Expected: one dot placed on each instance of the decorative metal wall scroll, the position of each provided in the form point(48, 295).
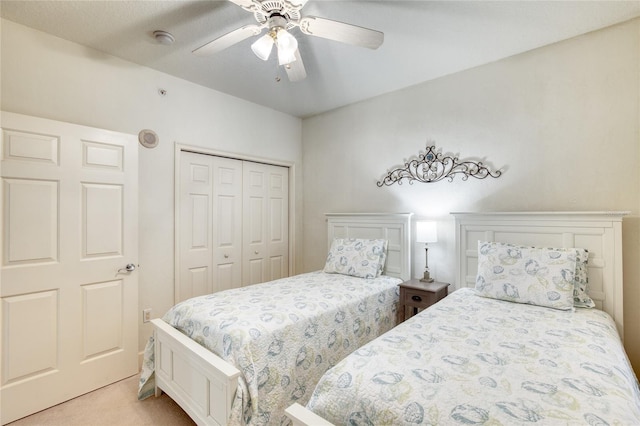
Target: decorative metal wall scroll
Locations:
point(432, 166)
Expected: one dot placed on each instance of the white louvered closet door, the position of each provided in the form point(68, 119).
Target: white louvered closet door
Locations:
point(233, 224)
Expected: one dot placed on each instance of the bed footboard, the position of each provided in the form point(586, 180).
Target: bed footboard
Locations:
point(301, 416)
point(202, 384)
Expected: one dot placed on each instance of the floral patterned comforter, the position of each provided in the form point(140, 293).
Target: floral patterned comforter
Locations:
point(283, 335)
point(474, 360)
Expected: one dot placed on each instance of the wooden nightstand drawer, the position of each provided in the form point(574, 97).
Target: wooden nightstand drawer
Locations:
point(416, 295)
point(420, 299)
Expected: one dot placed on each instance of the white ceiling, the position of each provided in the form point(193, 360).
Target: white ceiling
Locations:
point(423, 40)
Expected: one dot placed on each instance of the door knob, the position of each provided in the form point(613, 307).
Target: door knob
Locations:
point(129, 268)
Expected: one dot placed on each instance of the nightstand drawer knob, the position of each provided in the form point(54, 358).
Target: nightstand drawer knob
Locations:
point(416, 298)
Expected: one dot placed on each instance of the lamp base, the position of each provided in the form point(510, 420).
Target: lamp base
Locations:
point(427, 278)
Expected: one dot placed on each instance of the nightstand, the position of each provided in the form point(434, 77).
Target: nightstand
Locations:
point(416, 294)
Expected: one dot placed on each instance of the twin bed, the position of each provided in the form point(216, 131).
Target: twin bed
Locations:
point(273, 341)
point(480, 357)
point(475, 360)
point(469, 359)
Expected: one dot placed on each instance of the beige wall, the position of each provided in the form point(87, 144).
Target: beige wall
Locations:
point(562, 121)
point(49, 77)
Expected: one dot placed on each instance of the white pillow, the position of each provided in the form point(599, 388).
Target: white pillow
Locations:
point(356, 257)
point(532, 275)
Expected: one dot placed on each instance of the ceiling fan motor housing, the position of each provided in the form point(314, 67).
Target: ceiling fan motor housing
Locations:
point(277, 21)
point(270, 11)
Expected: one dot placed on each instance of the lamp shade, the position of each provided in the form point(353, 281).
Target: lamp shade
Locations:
point(426, 232)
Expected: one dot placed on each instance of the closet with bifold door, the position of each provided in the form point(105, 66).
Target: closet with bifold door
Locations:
point(232, 223)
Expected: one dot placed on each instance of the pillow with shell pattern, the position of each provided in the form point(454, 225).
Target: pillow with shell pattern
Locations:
point(581, 297)
point(533, 275)
point(357, 257)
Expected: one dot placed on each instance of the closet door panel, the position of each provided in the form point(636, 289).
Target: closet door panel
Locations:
point(254, 245)
point(227, 223)
point(195, 266)
point(278, 222)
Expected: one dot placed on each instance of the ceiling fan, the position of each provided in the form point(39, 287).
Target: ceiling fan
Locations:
point(279, 16)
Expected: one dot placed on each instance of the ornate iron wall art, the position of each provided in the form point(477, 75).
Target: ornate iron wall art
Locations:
point(432, 166)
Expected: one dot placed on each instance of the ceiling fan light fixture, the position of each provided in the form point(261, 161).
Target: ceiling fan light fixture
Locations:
point(287, 46)
point(285, 41)
point(278, 16)
point(285, 58)
point(262, 47)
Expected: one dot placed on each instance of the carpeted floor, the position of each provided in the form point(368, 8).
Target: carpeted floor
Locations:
point(113, 405)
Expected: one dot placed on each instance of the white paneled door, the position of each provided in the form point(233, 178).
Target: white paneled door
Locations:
point(68, 309)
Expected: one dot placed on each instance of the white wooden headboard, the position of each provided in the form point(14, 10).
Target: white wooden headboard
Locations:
point(394, 227)
point(598, 232)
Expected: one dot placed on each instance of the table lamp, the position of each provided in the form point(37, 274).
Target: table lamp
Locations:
point(426, 232)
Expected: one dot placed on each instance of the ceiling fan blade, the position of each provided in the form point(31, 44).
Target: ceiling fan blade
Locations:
point(298, 3)
point(228, 40)
point(339, 31)
point(295, 69)
point(245, 4)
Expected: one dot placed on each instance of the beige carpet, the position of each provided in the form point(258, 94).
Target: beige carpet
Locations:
point(113, 405)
